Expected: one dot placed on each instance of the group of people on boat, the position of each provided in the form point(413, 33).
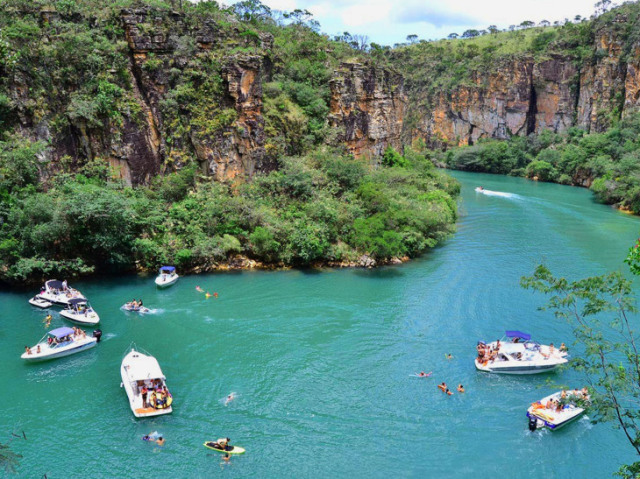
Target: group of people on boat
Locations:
point(135, 304)
point(565, 397)
point(27, 350)
point(487, 353)
point(65, 289)
point(154, 394)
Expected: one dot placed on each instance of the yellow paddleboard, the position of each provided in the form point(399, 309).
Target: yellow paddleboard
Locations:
point(231, 450)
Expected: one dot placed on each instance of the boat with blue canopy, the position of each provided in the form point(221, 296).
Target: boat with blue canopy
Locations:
point(517, 354)
point(167, 276)
point(61, 342)
point(80, 311)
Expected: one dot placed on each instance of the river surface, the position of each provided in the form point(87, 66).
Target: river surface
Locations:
point(321, 361)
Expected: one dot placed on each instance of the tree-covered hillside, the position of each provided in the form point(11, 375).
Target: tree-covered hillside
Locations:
point(217, 117)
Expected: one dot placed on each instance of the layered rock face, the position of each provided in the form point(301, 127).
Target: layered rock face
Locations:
point(524, 96)
point(368, 106)
point(233, 152)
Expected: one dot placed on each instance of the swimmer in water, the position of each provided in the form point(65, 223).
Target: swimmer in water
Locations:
point(207, 295)
point(443, 387)
point(199, 289)
point(424, 375)
point(449, 393)
point(448, 356)
point(460, 388)
point(229, 398)
point(215, 295)
point(226, 457)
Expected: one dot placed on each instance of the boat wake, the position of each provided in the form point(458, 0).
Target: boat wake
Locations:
point(108, 336)
point(500, 194)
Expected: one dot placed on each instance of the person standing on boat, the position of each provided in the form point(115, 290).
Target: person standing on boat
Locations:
point(64, 285)
point(144, 391)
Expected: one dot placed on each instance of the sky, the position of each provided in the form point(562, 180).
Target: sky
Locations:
point(390, 21)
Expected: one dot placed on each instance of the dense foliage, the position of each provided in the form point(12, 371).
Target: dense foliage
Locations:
point(315, 208)
point(608, 162)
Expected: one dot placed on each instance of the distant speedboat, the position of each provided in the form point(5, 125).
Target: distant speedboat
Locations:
point(39, 302)
point(60, 342)
point(57, 292)
point(167, 276)
point(140, 371)
point(80, 311)
point(518, 355)
point(135, 309)
point(554, 411)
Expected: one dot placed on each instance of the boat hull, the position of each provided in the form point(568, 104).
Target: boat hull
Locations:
point(135, 399)
point(39, 303)
point(517, 369)
point(160, 283)
point(36, 358)
point(88, 320)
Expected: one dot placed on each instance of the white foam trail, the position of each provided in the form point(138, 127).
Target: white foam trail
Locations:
point(498, 193)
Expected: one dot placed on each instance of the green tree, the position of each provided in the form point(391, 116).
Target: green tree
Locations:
point(600, 311)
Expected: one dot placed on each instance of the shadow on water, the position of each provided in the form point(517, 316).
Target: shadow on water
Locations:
point(384, 272)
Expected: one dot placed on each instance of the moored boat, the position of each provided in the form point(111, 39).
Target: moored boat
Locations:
point(39, 302)
point(557, 410)
point(61, 342)
point(167, 276)
point(57, 292)
point(80, 311)
point(145, 385)
point(517, 354)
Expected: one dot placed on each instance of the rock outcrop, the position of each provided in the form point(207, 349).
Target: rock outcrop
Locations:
point(368, 106)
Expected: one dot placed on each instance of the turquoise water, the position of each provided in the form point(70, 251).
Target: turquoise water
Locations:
point(321, 360)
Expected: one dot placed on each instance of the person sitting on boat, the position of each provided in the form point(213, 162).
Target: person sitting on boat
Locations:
point(140, 303)
point(38, 350)
point(27, 349)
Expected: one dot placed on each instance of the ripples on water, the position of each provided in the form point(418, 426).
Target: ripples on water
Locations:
point(322, 361)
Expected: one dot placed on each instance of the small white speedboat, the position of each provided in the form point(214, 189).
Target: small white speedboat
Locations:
point(135, 309)
point(39, 302)
point(60, 342)
point(145, 385)
point(80, 311)
point(518, 355)
point(556, 411)
point(57, 292)
point(167, 276)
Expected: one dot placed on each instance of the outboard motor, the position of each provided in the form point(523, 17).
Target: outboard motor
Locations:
point(97, 333)
point(533, 423)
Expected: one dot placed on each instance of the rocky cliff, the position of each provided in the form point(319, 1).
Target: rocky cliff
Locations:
point(367, 106)
point(523, 94)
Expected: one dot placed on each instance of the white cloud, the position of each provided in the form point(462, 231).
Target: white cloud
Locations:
point(390, 21)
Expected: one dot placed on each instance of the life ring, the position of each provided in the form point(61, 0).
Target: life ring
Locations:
point(155, 397)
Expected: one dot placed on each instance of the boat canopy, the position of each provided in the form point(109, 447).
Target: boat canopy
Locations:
point(54, 284)
point(144, 367)
point(167, 269)
point(518, 334)
point(75, 301)
point(61, 332)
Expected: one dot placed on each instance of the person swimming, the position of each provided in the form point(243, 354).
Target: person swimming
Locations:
point(229, 398)
point(460, 388)
point(199, 289)
point(443, 386)
point(424, 375)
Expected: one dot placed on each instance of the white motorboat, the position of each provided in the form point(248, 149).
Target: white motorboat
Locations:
point(518, 355)
point(135, 309)
point(57, 292)
point(80, 311)
point(60, 342)
point(39, 302)
point(145, 385)
point(557, 410)
point(167, 276)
